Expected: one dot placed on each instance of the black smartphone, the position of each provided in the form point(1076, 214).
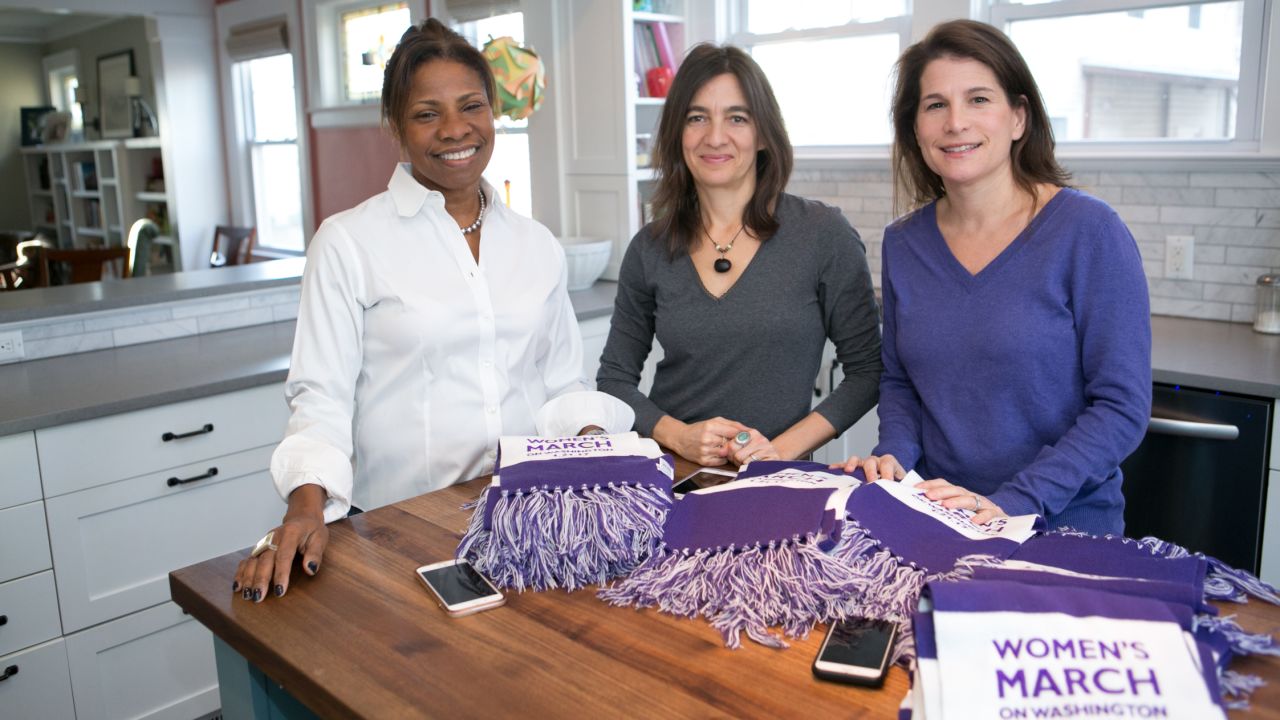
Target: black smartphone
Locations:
point(458, 588)
point(857, 651)
point(704, 478)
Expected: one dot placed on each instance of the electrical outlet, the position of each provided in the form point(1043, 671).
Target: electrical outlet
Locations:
point(1179, 256)
point(11, 346)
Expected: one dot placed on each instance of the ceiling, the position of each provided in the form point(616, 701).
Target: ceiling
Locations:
point(38, 26)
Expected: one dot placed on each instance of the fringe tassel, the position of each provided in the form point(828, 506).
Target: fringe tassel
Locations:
point(1222, 582)
point(1239, 687)
point(788, 584)
point(1240, 641)
point(568, 538)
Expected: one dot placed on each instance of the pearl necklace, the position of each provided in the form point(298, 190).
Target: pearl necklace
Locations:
point(722, 264)
point(479, 218)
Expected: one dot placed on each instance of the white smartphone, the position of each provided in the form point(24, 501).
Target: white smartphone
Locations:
point(703, 478)
point(458, 588)
point(857, 651)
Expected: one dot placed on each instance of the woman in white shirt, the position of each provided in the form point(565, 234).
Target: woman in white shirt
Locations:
point(418, 345)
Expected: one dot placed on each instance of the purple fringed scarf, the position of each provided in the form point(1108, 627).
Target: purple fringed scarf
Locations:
point(569, 512)
point(998, 648)
point(906, 540)
point(1150, 566)
point(749, 555)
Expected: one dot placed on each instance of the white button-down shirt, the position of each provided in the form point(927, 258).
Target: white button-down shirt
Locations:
point(411, 358)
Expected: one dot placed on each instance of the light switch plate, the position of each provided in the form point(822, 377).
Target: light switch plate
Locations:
point(11, 346)
point(1179, 254)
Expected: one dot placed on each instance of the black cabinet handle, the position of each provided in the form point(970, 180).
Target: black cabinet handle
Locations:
point(208, 428)
point(4, 619)
point(9, 672)
point(831, 375)
point(173, 481)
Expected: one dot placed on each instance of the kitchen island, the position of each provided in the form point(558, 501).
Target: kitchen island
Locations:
point(363, 638)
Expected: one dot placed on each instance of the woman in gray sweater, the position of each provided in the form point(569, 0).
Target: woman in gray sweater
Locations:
point(741, 283)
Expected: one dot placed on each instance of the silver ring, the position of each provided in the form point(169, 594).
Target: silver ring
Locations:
point(752, 458)
point(265, 544)
point(977, 503)
point(742, 438)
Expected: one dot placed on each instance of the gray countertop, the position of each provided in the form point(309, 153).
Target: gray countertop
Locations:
point(111, 294)
point(43, 393)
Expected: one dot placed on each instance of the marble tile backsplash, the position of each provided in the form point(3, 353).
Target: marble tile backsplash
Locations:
point(1234, 217)
point(70, 334)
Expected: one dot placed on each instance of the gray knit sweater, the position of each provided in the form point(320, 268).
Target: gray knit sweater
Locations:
point(751, 355)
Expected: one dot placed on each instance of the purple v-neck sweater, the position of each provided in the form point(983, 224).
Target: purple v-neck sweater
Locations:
point(1029, 382)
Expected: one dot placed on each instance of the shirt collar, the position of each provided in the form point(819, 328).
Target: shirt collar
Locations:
point(409, 195)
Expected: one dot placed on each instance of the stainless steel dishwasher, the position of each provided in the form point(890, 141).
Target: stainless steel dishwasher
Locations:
point(1199, 478)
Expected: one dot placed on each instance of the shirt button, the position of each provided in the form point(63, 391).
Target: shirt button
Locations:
point(491, 409)
point(491, 454)
point(486, 363)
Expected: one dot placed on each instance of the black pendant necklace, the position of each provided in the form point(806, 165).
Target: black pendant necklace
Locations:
point(722, 264)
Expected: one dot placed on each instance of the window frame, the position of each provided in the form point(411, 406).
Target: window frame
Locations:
point(1251, 85)
point(326, 106)
point(901, 25)
point(244, 112)
point(1258, 68)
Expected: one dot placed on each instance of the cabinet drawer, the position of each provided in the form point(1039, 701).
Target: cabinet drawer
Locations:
point(30, 608)
point(95, 452)
point(114, 545)
point(24, 541)
point(41, 687)
point(156, 664)
point(20, 479)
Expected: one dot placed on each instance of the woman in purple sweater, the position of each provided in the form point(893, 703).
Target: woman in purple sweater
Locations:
point(1017, 331)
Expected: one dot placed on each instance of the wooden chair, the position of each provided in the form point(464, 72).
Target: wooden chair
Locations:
point(142, 235)
point(28, 270)
point(86, 265)
point(232, 245)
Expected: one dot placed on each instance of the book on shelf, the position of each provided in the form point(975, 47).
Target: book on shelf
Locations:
point(88, 175)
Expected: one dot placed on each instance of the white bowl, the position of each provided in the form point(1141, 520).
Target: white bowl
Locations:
point(586, 258)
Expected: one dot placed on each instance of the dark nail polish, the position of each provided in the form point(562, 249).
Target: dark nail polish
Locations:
point(279, 590)
point(313, 567)
point(246, 593)
point(257, 594)
point(235, 585)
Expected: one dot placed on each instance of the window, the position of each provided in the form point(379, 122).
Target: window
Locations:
point(830, 64)
point(63, 77)
point(508, 169)
point(270, 127)
point(367, 37)
point(1151, 72)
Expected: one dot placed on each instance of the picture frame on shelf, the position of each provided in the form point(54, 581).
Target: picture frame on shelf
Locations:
point(114, 116)
point(33, 124)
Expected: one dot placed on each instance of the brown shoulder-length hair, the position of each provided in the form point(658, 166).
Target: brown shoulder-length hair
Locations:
point(915, 184)
point(675, 200)
point(422, 43)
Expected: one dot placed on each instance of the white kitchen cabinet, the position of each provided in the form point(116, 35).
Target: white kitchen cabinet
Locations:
point(114, 545)
point(24, 541)
point(156, 664)
point(99, 451)
point(112, 507)
point(21, 470)
point(39, 686)
point(595, 332)
point(857, 440)
point(29, 606)
point(1270, 563)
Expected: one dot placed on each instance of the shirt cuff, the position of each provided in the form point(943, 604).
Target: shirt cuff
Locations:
point(566, 415)
point(302, 461)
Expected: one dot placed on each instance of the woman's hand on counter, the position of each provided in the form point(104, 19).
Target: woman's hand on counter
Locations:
point(875, 467)
point(302, 532)
point(706, 443)
point(757, 448)
point(956, 497)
